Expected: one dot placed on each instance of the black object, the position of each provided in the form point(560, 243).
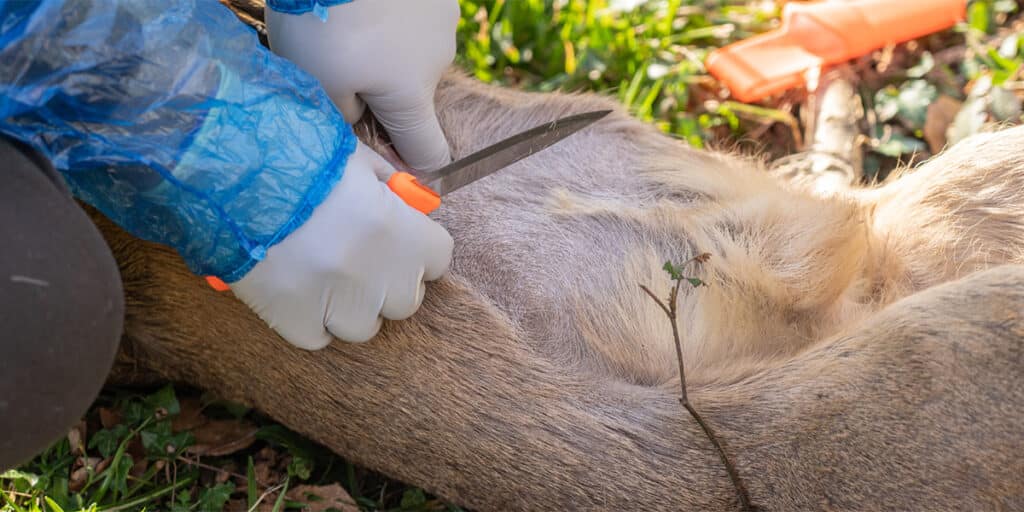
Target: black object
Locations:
point(61, 306)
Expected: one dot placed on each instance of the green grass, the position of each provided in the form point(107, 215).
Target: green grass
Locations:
point(140, 451)
point(650, 58)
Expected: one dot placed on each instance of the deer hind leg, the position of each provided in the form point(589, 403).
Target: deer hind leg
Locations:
point(958, 213)
point(918, 405)
point(460, 401)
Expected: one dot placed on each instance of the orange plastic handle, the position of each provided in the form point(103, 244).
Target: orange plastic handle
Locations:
point(414, 193)
point(405, 185)
point(217, 284)
point(824, 33)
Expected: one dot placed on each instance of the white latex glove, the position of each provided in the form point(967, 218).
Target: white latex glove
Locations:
point(362, 255)
point(388, 53)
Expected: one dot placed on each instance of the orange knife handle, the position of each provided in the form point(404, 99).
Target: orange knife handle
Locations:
point(414, 193)
point(216, 283)
point(403, 184)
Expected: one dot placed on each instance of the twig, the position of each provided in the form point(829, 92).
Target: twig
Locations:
point(266, 493)
point(671, 310)
point(832, 161)
point(209, 467)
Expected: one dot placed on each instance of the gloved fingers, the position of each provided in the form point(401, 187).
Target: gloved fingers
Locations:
point(350, 105)
point(437, 253)
point(306, 330)
point(308, 336)
point(295, 317)
point(426, 238)
point(353, 315)
point(411, 121)
point(380, 166)
point(404, 298)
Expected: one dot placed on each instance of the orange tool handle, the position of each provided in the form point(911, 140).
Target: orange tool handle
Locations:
point(821, 34)
point(405, 185)
point(414, 193)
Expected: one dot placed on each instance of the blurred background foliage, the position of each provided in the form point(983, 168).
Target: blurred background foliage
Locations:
point(650, 54)
point(647, 54)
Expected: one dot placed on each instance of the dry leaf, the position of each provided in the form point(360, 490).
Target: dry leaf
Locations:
point(76, 436)
point(78, 479)
point(265, 473)
point(139, 467)
point(940, 115)
point(222, 437)
point(221, 477)
point(324, 497)
point(191, 415)
point(81, 469)
point(109, 418)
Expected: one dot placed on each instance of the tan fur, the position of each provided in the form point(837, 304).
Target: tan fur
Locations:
point(838, 368)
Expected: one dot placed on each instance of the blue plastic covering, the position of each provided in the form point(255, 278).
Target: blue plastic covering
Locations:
point(318, 7)
point(170, 118)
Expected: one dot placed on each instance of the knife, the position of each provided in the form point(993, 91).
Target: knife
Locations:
point(467, 170)
point(423, 191)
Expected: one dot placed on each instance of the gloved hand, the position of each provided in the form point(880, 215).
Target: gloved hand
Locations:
point(363, 254)
point(388, 53)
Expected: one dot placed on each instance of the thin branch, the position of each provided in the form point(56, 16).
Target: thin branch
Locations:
point(671, 310)
point(267, 493)
point(656, 299)
point(210, 467)
point(679, 347)
point(741, 490)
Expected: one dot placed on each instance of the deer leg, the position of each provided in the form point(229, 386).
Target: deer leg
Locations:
point(918, 405)
point(958, 213)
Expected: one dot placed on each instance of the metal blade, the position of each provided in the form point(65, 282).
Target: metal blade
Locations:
point(497, 156)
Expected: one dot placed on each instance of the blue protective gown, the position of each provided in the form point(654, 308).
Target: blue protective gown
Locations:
point(170, 118)
point(318, 7)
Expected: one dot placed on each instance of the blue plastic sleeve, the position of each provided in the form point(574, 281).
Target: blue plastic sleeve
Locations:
point(170, 118)
point(319, 7)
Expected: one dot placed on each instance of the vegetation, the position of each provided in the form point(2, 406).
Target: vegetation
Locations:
point(649, 54)
point(174, 449)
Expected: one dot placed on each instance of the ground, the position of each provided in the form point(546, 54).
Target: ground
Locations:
point(177, 449)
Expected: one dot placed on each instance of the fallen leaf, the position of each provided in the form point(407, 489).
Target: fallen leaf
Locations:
point(109, 418)
point(1004, 105)
point(222, 437)
point(78, 479)
point(76, 438)
point(969, 120)
point(140, 467)
point(939, 117)
point(82, 468)
point(322, 498)
point(190, 417)
point(221, 477)
point(265, 473)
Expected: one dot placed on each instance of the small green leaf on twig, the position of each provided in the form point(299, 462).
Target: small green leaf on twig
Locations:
point(676, 273)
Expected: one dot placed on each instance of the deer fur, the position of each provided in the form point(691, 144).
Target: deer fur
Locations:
point(861, 351)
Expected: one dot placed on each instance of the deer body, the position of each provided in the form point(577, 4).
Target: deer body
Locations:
point(858, 351)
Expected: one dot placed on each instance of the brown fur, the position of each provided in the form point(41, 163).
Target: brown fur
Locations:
point(861, 351)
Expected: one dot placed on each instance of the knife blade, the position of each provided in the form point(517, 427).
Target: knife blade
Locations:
point(427, 198)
